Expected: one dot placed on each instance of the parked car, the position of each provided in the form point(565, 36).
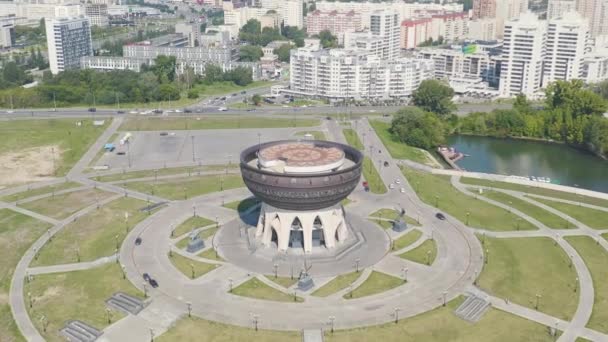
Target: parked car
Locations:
point(163, 134)
point(440, 216)
point(146, 277)
point(138, 241)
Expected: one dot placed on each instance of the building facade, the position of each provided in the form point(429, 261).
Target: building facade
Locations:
point(382, 38)
point(7, 32)
point(596, 11)
point(293, 13)
point(484, 9)
point(68, 39)
point(336, 22)
point(557, 8)
point(523, 56)
point(98, 14)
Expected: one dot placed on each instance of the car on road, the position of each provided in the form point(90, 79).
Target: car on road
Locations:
point(244, 92)
point(10, 111)
point(138, 241)
point(133, 112)
point(385, 164)
point(153, 283)
point(121, 153)
point(251, 110)
point(235, 94)
point(397, 181)
point(157, 111)
point(178, 111)
point(222, 109)
point(187, 110)
point(391, 186)
point(402, 190)
point(120, 112)
point(92, 109)
point(163, 134)
point(440, 216)
point(146, 277)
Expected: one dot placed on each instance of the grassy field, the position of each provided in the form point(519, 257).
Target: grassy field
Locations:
point(196, 330)
point(593, 218)
point(283, 281)
point(40, 191)
point(521, 268)
point(352, 138)
point(215, 122)
point(398, 150)
point(391, 214)
point(93, 235)
point(337, 284)
point(76, 295)
point(424, 254)
point(536, 191)
point(596, 259)
point(210, 254)
point(187, 187)
point(224, 88)
point(317, 135)
point(72, 140)
point(438, 191)
point(548, 219)
point(186, 266)
point(407, 239)
point(441, 325)
point(376, 185)
point(377, 282)
point(242, 205)
point(192, 170)
point(190, 224)
point(64, 205)
point(17, 233)
point(254, 288)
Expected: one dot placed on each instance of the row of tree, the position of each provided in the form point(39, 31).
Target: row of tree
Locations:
point(572, 114)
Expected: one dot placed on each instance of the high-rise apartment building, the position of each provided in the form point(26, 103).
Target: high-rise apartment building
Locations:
point(484, 9)
point(567, 42)
point(382, 37)
point(556, 8)
point(7, 31)
point(523, 55)
point(293, 13)
point(98, 14)
point(507, 10)
point(68, 39)
point(596, 11)
point(336, 22)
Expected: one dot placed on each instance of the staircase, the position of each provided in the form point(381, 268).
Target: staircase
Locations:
point(472, 308)
point(125, 303)
point(77, 331)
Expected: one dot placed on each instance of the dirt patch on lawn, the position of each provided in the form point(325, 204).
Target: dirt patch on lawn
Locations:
point(30, 165)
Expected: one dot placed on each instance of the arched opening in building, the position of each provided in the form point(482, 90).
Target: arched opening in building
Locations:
point(318, 237)
point(296, 235)
point(275, 238)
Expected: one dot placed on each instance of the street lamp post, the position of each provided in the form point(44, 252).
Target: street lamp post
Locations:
point(332, 320)
point(193, 153)
point(276, 269)
point(189, 309)
point(445, 294)
point(230, 285)
point(538, 296)
point(357, 264)
point(397, 315)
point(404, 271)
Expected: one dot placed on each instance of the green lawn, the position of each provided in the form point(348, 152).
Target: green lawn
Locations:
point(76, 295)
point(192, 170)
point(17, 233)
point(441, 325)
point(242, 205)
point(190, 224)
point(64, 205)
point(377, 282)
point(392, 214)
point(187, 187)
point(398, 150)
point(536, 191)
point(352, 138)
point(224, 88)
point(520, 268)
point(93, 235)
point(210, 254)
point(317, 135)
point(214, 122)
point(376, 185)
point(196, 330)
point(337, 284)
point(596, 259)
point(186, 265)
point(548, 219)
point(407, 239)
point(254, 288)
point(424, 254)
point(283, 281)
point(438, 191)
point(71, 141)
point(40, 191)
point(593, 218)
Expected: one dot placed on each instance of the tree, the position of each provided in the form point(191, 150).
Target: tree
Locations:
point(417, 128)
point(434, 96)
point(571, 96)
point(192, 94)
point(168, 92)
point(522, 104)
point(327, 39)
point(164, 68)
point(256, 99)
point(252, 26)
point(250, 53)
point(284, 52)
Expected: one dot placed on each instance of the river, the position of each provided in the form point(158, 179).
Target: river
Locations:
point(563, 164)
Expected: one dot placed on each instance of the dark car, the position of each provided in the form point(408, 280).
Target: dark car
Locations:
point(153, 283)
point(138, 241)
point(244, 92)
point(440, 216)
point(385, 164)
point(146, 277)
point(92, 109)
point(187, 110)
point(120, 112)
point(163, 134)
point(157, 111)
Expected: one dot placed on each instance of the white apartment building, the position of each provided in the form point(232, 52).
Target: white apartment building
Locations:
point(567, 43)
point(34, 10)
point(507, 10)
point(341, 74)
point(556, 8)
point(7, 32)
point(293, 13)
point(595, 67)
point(68, 40)
point(523, 56)
point(98, 14)
point(238, 17)
point(190, 30)
point(382, 38)
point(596, 11)
point(482, 29)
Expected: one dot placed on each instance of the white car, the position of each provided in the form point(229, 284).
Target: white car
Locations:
point(222, 109)
point(178, 111)
point(391, 186)
point(10, 111)
point(397, 181)
point(133, 112)
point(402, 190)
